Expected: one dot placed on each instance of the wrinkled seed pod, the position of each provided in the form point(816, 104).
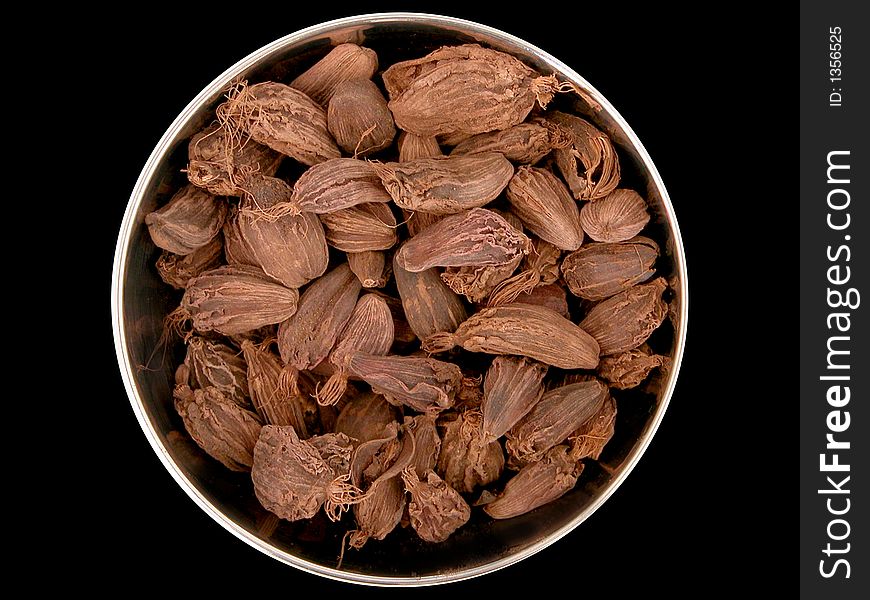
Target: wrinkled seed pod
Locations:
point(466, 460)
point(361, 228)
point(559, 412)
point(219, 166)
point(291, 478)
point(371, 268)
point(539, 267)
point(526, 143)
point(177, 270)
point(626, 320)
point(427, 442)
point(431, 96)
point(591, 437)
point(190, 220)
point(306, 338)
point(446, 185)
point(423, 384)
point(418, 221)
point(629, 369)
point(337, 184)
point(214, 364)
point(429, 305)
point(369, 330)
point(477, 283)
point(236, 299)
point(546, 207)
point(436, 510)
point(343, 63)
point(290, 249)
point(590, 164)
point(617, 217)
point(364, 418)
point(536, 484)
point(275, 405)
point(226, 431)
point(598, 271)
point(551, 296)
point(511, 388)
point(524, 330)
point(358, 118)
point(280, 117)
point(477, 237)
point(412, 147)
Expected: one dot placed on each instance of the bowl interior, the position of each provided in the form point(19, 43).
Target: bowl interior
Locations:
point(143, 299)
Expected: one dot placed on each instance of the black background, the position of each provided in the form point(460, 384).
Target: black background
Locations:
point(703, 508)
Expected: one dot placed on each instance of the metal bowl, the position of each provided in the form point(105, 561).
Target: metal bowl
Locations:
point(140, 300)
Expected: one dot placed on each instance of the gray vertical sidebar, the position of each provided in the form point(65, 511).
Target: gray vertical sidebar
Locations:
point(834, 336)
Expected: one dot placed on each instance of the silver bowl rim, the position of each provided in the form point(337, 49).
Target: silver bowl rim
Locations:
point(127, 369)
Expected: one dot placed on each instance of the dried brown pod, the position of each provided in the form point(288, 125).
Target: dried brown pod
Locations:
point(590, 164)
point(617, 217)
point(436, 509)
point(358, 118)
point(402, 331)
point(361, 228)
point(429, 305)
point(466, 460)
point(423, 384)
point(545, 207)
point(376, 467)
point(307, 337)
point(369, 330)
point(598, 271)
point(190, 220)
point(274, 404)
point(591, 437)
point(364, 418)
point(446, 185)
point(336, 450)
point(511, 388)
point(279, 117)
point(551, 296)
point(630, 368)
point(427, 442)
point(477, 237)
point(371, 268)
point(559, 412)
point(214, 364)
point(220, 166)
point(291, 249)
point(477, 283)
point(536, 484)
point(226, 431)
point(412, 147)
point(418, 221)
point(236, 299)
point(343, 63)
point(292, 479)
point(522, 330)
point(526, 143)
point(540, 267)
point(337, 184)
point(626, 320)
point(467, 89)
point(177, 270)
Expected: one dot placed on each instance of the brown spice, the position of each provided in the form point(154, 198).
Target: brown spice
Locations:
point(545, 206)
point(598, 271)
point(477, 237)
point(467, 461)
point(189, 221)
point(629, 369)
point(177, 270)
point(361, 228)
point(526, 143)
point(371, 268)
point(364, 418)
point(524, 330)
point(617, 217)
point(590, 165)
point(446, 185)
point(429, 305)
point(274, 404)
point(214, 364)
point(511, 388)
point(345, 62)
point(236, 299)
point(626, 320)
point(436, 509)
point(358, 118)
